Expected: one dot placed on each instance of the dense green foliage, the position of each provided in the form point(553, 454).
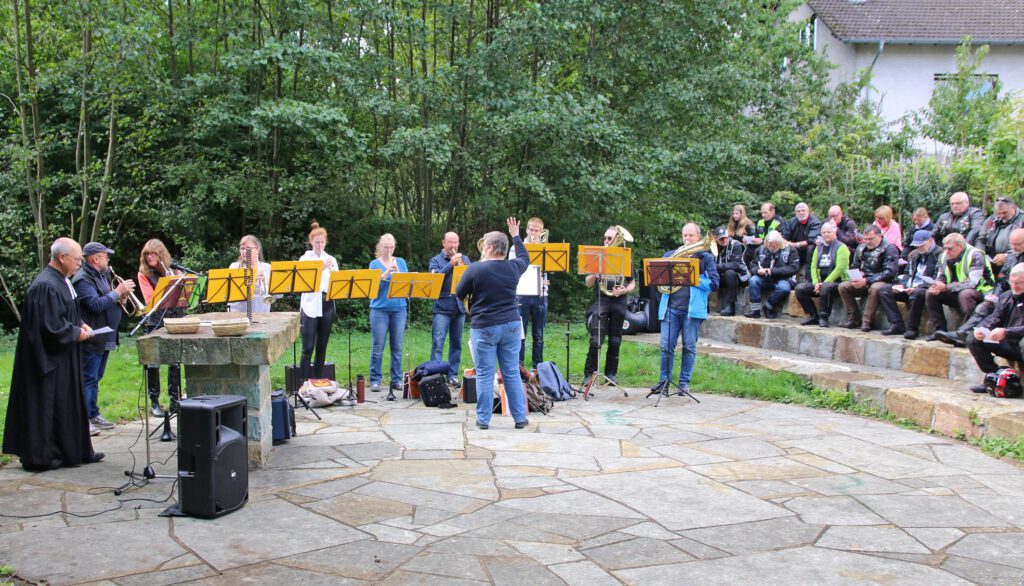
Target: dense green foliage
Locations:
point(198, 121)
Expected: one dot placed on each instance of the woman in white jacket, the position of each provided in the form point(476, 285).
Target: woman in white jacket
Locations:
point(317, 313)
point(251, 251)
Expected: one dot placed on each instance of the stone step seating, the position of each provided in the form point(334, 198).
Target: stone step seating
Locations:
point(937, 403)
point(879, 323)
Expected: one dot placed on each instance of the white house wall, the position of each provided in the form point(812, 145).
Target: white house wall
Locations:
point(904, 75)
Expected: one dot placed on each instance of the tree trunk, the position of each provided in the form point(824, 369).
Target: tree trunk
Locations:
point(36, 199)
point(83, 147)
point(108, 168)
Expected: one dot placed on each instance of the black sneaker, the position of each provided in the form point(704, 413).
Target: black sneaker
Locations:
point(850, 324)
point(522, 424)
point(910, 334)
point(481, 425)
point(979, 389)
point(894, 331)
point(822, 322)
point(753, 313)
point(809, 321)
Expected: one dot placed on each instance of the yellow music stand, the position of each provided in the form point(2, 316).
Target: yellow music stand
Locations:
point(170, 292)
point(295, 276)
point(550, 257)
point(353, 284)
point(457, 273)
point(410, 286)
point(225, 285)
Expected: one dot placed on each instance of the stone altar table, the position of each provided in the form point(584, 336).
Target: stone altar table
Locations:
point(229, 365)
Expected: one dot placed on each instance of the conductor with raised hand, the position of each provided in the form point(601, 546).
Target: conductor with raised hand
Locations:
point(496, 326)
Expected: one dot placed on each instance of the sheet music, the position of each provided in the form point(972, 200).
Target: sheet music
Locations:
point(529, 282)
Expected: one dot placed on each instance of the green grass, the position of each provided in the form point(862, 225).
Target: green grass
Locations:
point(1001, 447)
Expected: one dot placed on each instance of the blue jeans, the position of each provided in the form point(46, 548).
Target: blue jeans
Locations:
point(382, 323)
point(776, 289)
point(445, 325)
point(93, 366)
point(499, 343)
point(677, 322)
point(533, 309)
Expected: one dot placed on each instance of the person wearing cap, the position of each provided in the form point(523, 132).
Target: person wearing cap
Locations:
point(828, 265)
point(962, 334)
point(99, 306)
point(911, 286)
point(732, 270)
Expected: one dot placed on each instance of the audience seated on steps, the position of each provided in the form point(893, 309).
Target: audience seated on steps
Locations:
point(911, 286)
point(919, 220)
point(878, 263)
point(732, 270)
point(773, 273)
point(960, 219)
point(741, 229)
point(827, 266)
point(1016, 255)
point(890, 227)
point(994, 239)
point(1006, 329)
point(802, 231)
point(963, 277)
point(846, 228)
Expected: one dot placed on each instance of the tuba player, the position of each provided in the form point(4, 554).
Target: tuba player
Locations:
point(606, 315)
point(682, 313)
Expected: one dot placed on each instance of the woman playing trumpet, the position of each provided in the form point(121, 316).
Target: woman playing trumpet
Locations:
point(387, 316)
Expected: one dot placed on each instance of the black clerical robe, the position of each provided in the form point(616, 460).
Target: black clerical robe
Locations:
point(46, 416)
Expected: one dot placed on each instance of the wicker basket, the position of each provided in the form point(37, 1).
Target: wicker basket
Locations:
point(182, 325)
point(230, 327)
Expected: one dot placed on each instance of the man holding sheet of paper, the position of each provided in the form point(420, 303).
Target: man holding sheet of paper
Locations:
point(911, 286)
point(1001, 332)
point(962, 279)
point(874, 265)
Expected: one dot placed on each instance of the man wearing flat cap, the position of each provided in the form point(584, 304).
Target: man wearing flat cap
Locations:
point(911, 286)
point(99, 305)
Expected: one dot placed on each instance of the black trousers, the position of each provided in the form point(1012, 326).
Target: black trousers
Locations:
point(610, 318)
point(728, 287)
point(828, 292)
point(316, 332)
point(914, 298)
point(983, 353)
point(152, 371)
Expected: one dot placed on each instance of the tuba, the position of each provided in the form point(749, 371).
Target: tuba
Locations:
point(608, 284)
point(706, 244)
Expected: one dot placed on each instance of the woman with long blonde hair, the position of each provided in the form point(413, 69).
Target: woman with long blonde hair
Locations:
point(155, 262)
point(739, 224)
point(387, 316)
point(250, 252)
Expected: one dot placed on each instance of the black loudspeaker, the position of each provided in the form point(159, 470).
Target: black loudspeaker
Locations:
point(292, 374)
point(213, 455)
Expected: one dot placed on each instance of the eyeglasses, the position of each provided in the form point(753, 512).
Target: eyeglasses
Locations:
point(609, 238)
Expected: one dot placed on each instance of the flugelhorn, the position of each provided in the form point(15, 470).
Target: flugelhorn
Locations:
point(706, 244)
point(131, 304)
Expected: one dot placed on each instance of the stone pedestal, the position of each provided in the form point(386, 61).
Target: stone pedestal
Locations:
point(230, 365)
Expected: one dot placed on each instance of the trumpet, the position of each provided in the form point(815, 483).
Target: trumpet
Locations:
point(130, 304)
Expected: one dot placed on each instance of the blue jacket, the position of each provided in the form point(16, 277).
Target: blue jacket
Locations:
point(446, 302)
point(99, 307)
point(697, 307)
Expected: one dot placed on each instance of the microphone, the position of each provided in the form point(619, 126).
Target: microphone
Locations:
point(179, 267)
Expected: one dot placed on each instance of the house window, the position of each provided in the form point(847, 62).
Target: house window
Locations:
point(986, 82)
point(809, 33)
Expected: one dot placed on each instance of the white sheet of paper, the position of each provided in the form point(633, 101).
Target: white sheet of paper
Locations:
point(927, 280)
point(987, 333)
point(103, 330)
point(855, 274)
point(748, 240)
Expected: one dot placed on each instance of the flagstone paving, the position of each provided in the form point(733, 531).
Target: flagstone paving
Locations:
point(608, 491)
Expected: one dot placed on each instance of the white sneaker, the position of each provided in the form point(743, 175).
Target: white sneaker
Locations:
point(375, 388)
point(93, 430)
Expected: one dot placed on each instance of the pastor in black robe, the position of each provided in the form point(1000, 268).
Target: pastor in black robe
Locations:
point(46, 416)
